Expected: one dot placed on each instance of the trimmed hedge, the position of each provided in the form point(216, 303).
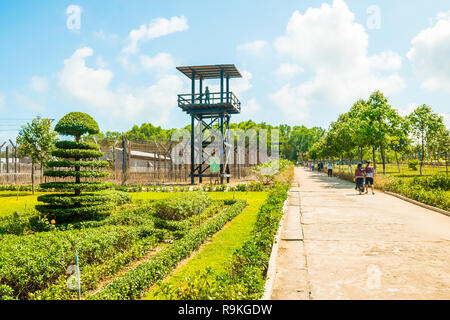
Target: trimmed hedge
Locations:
point(76, 145)
point(181, 206)
point(132, 284)
point(73, 173)
point(77, 153)
point(30, 263)
point(433, 190)
point(81, 164)
point(86, 186)
point(247, 270)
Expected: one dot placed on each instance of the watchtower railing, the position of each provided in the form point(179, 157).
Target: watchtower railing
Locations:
point(215, 98)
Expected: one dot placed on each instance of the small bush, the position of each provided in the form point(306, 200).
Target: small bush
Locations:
point(181, 206)
point(412, 164)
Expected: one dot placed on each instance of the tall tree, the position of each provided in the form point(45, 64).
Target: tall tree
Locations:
point(379, 120)
point(425, 124)
point(36, 140)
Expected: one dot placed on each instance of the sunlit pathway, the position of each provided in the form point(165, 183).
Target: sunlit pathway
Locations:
point(337, 244)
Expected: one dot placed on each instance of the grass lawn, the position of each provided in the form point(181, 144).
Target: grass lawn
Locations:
point(216, 254)
point(9, 202)
point(405, 171)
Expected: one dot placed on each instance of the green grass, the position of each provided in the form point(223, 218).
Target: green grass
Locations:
point(216, 254)
point(10, 203)
point(392, 170)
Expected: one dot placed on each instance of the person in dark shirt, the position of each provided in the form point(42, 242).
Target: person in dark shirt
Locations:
point(359, 178)
point(369, 173)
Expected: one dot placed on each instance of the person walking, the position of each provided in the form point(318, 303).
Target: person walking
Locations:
point(330, 169)
point(359, 178)
point(369, 176)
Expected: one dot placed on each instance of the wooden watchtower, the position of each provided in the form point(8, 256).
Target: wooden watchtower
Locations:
point(210, 110)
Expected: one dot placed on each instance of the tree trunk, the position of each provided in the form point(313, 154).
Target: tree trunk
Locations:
point(398, 164)
point(361, 154)
point(383, 158)
point(32, 176)
point(373, 159)
point(446, 165)
point(422, 156)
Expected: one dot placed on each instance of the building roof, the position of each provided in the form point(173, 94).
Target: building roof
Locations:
point(211, 71)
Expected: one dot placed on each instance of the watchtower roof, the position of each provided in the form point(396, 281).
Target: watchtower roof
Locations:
point(211, 71)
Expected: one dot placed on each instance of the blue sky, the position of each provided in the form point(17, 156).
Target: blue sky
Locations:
point(303, 62)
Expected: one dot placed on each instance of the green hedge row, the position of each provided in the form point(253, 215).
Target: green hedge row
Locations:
point(76, 145)
point(30, 263)
point(132, 284)
point(77, 153)
point(85, 186)
point(181, 206)
point(73, 173)
point(93, 274)
point(72, 200)
point(420, 190)
point(180, 227)
point(81, 164)
point(248, 265)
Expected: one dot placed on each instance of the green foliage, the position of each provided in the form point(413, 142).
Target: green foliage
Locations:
point(181, 206)
point(77, 207)
point(432, 190)
point(412, 164)
point(77, 124)
point(256, 186)
point(68, 186)
point(77, 153)
point(76, 145)
point(73, 173)
point(132, 284)
point(81, 164)
point(266, 172)
point(248, 266)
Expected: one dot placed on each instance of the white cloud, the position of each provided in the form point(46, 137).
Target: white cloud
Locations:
point(160, 62)
point(288, 70)
point(335, 47)
point(408, 110)
point(156, 28)
point(446, 117)
point(430, 54)
point(250, 108)
point(253, 47)
point(101, 63)
point(39, 84)
point(84, 83)
point(291, 102)
point(92, 87)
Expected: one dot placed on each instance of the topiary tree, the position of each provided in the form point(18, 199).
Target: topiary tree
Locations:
point(79, 160)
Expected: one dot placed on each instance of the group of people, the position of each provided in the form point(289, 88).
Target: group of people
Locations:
point(320, 167)
point(364, 177)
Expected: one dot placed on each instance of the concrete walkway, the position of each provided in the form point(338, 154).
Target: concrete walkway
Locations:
point(336, 244)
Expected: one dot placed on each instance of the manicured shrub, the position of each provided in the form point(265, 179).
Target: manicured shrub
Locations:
point(248, 266)
point(76, 155)
point(132, 284)
point(181, 206)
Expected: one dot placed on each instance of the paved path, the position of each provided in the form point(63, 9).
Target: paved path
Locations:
point(336, 244)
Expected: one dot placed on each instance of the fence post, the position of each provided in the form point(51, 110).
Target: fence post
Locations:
point(7, 159)
point(1, 147)
point(124, 161)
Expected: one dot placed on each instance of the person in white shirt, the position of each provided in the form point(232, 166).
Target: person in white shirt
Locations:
point(330, 169)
